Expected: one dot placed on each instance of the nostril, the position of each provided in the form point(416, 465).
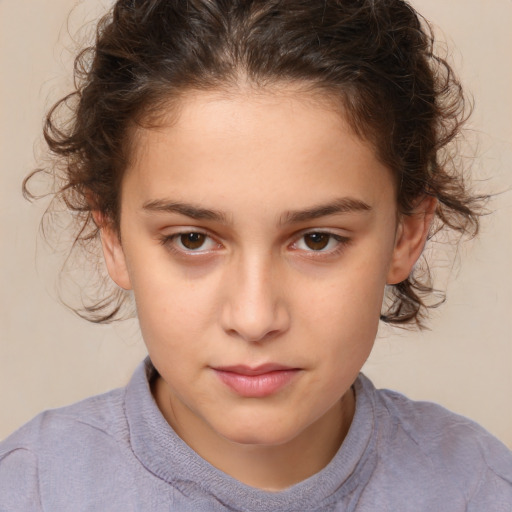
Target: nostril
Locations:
point(255, 328)
point(253, 338)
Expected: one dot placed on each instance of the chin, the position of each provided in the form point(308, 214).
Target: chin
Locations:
point(258, 433)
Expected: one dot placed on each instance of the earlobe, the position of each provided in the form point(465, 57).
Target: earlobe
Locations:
point(113, 252)
point(410, 240)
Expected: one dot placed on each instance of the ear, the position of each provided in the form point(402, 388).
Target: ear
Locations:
point(411, 236)
point(112, 251)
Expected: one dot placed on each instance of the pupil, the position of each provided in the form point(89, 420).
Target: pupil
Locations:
point(192, 240)
point(317, 241)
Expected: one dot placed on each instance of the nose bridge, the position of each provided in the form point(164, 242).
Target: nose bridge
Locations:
point(255, 308)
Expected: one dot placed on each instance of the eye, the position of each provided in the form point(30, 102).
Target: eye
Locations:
point(319, 241)
point(192, 241)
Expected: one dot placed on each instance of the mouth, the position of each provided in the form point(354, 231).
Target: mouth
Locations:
point(256, 382)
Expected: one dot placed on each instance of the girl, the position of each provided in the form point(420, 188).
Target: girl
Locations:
point(263, 176)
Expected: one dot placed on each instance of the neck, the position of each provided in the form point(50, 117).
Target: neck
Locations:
point(268, 467)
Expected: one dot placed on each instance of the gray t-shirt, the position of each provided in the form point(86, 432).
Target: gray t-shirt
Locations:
point(116, 453)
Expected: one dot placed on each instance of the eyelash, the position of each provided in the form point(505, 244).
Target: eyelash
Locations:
point(341, 242)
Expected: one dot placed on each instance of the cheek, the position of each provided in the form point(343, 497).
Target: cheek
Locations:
point(173, 311)
point(350, 295)
point(173, 326)
point(343, 317)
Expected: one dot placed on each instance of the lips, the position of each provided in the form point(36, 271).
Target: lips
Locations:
point(256, 382)
point(257, 370)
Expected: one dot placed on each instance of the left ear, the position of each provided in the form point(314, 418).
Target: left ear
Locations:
point(411, 236)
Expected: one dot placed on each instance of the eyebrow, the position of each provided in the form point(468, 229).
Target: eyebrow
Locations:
point(338, 206)
point(187, 209)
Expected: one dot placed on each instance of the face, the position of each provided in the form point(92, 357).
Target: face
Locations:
point(258, 233)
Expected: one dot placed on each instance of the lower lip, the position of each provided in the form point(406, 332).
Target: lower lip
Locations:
point(257, 386)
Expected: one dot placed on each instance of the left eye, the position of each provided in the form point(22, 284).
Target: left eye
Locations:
point(318, 242)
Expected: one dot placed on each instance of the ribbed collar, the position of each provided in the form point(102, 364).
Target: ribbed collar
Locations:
point(163, 453)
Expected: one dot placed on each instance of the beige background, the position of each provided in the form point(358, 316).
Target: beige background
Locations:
point(49, 358)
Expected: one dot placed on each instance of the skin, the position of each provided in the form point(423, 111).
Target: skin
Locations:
point(258, 290)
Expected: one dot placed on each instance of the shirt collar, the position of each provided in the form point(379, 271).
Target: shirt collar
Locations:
point(162, 452)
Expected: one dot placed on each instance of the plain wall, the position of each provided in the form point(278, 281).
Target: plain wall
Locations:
point(49, 357)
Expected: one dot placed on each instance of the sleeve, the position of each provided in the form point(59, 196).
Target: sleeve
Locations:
point(493, 493)
point(19, 481)
point(494, 489)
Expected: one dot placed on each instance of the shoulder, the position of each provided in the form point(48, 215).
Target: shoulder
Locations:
point(443, 447)
point(50, 443)
point(101, 414)
point(438, 431)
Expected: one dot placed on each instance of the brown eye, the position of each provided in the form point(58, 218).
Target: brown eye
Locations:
point(317, 241)
point(192, 241)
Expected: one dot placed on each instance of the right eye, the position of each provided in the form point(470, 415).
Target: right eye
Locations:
point(190, 241)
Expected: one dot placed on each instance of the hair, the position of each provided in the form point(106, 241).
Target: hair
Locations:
point(375, 57)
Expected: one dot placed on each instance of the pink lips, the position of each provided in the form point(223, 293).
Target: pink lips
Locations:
point(256, 382)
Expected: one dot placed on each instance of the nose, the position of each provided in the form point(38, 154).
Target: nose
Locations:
point(255, 308)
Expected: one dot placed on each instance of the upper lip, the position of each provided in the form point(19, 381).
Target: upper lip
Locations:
point(254, 370)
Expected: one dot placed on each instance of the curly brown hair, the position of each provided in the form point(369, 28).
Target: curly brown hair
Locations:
point(375, 57)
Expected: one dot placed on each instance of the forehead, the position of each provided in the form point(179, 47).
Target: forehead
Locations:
point(220, 145)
